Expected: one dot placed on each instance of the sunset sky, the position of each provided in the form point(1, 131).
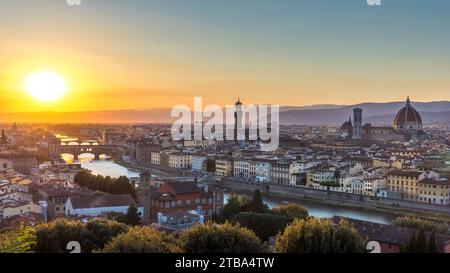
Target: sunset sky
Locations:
point(131, 54)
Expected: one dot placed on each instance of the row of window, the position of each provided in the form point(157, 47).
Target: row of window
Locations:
point(178, 203)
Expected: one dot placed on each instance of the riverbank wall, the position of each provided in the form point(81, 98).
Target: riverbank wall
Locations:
point(338, 198)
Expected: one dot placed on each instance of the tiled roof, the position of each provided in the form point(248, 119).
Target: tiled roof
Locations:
point(97, 201)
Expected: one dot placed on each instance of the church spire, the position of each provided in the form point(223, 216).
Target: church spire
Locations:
point(408, 102)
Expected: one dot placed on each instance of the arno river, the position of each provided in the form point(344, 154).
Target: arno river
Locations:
point(109, 167)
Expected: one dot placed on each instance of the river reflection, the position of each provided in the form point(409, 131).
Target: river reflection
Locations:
point(110, 168)
point(328, 211)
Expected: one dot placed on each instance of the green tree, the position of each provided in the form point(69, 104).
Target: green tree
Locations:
point(54, 236)
point(432, 247)
point(234, 206)
point(319, 236)
point(417, 223)
point(21, 240)
point(292, 211)
point(421, 243)
point(120, 185)
point(264, 225)
point(256, 204)
point(215, 238)
point(142, 240)
point(132, 217)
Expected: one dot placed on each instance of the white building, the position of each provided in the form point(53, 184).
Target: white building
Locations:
point(263, 172)
point(180, 161)
point(155, 158)
point(242, 169)
point(198, 162)
point(224, 167)
point(373, 185)
point(98, 205)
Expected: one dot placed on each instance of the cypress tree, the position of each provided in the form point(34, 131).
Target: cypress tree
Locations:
point(421, 243)
point(432, 248)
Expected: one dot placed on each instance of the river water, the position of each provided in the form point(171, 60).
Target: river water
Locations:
point(110, 168)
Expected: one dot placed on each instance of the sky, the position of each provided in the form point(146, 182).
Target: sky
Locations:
point(141, 54)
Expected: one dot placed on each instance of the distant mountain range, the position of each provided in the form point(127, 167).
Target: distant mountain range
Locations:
point(329, 114)
point(375, 113)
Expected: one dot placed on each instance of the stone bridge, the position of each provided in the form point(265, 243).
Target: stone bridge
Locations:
point(96, 150)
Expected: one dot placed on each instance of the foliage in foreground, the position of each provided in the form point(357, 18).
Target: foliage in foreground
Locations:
point(420, 244)
point(54, 236)
point(264, 225)
point(21, 240)
point(319, 236)
point(215, 238)
point(142, 240)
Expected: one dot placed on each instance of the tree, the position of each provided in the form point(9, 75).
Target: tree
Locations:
point(421, 242)
point(215, 238)
point(264, 225)
point(142, 240)
point(21, 240)
point(432, 247)
point(417, 223)
point(120, 185)
point(234, 206)
point(292, 211)
point(132, 217)
point(319, 236)
point(54, 236)
point(256, 204)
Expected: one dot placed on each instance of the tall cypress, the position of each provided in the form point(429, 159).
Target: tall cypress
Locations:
point(432, 247)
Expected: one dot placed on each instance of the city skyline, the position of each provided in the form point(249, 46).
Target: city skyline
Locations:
point(162, 54)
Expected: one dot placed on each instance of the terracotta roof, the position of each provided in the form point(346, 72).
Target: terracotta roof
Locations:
point(432, 181)
point(389, 233)
point(407, 114)
point(405, 173)
point(184, 187)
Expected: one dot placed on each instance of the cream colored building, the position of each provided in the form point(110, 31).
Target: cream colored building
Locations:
point(155, 158)
point(402, 184)
point(180, 161)
point(434, 191)
point(224, 167)
point(20, 209)
point(373, 185)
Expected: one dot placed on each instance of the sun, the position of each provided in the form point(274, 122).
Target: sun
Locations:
point(45, 86)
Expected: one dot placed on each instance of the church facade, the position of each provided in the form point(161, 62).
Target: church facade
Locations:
point(407, 125)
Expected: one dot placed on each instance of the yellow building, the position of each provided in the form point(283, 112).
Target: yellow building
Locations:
point(402, 184)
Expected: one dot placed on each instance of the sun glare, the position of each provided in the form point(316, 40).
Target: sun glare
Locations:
point(45, 86)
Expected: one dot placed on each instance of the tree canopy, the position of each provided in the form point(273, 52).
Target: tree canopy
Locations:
point(120, 185)
point(319, 236)
point(142, 240)
point(54, 236)
point(215, 238)
point(21, 240)
point(264, 225)
point(291, 211)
